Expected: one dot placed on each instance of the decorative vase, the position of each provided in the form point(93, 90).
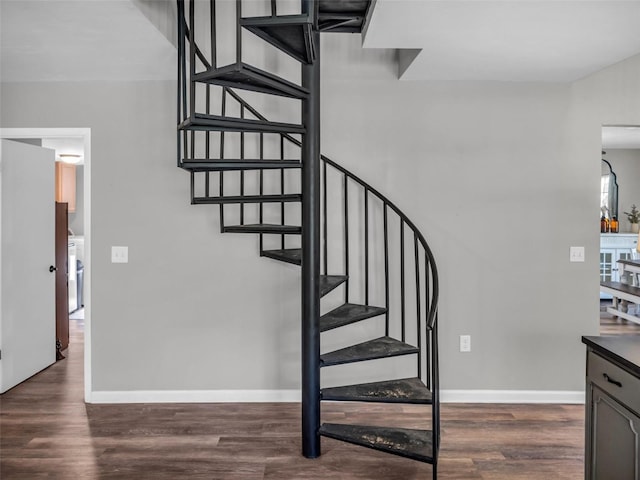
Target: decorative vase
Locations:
point(635, 227)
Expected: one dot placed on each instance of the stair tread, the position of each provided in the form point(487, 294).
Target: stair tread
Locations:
point(383, 347)
point(205, 122)
point(409, 443)
point(289, 33)
point(247, 77)
point(347, 314)
point(236, 164)
point(288, 255)
point(263, 228)
point(290, 197)
point(329, 282)
point(405, 390)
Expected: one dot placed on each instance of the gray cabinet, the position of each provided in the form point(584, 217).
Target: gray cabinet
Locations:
point(612, 421)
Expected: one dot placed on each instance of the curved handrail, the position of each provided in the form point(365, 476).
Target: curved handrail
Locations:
point(433, 309)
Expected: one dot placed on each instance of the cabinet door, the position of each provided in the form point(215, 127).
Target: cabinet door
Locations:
point(614, 451)
point(607, 264)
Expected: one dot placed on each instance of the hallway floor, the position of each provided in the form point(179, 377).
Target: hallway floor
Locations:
point(47, 431)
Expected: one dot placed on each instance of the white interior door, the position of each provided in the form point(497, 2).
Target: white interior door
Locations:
point(27, 287)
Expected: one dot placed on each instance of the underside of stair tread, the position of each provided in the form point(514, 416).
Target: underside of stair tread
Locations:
point(383, 347)
point(204, 122)
point(247, 77)
point(291, 197)
point(263, 228)
point(329, 282)
point(236, 164)
point(406, 390)
point(347, 314)
point(288, 255)
point(342, 15)
point(289, 33)
point(409, 443)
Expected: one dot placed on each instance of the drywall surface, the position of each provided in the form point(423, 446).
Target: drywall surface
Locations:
point(502, 178)
point(483, 171)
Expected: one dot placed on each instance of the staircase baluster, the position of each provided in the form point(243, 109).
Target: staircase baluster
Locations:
point(429, 331)
point(238, 32)
point(242, 171)
point(261, 207)
point(221, 175)
point(366, 246)
point(273, 8)
point(402, 299)
point(419, 320)
point(214, 53)
point(192, 71)
point(282, 219)
point(207, 142)
point(324, 216)
point(346, 237)
point(386, 268)
point(192, 185)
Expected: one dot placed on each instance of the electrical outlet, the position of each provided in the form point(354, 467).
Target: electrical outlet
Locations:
point(465, 343)
point(576, 254)
point(119, 254)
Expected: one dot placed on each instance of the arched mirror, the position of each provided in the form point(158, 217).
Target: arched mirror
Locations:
point(608, 189)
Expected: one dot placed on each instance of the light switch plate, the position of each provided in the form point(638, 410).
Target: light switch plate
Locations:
point(119, 254)
point(576, 254)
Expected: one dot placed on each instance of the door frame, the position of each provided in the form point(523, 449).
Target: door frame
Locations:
point(85, 133)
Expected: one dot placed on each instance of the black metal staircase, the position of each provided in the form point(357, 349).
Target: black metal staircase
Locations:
point(269, 178)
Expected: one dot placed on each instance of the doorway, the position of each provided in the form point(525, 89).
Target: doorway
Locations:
point(619, 193)
point(50, 136)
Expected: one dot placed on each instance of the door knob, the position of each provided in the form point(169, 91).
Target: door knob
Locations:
point(52, 268)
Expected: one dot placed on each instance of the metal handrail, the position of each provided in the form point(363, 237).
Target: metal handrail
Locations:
point(431, 317)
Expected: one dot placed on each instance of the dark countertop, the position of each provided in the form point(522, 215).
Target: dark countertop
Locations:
point(622, 349)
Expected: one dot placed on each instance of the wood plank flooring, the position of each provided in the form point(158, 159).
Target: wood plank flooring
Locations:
point(46, 431)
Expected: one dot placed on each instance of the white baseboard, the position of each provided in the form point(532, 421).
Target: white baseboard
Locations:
point(512, 396)
point(195, 396)
point(263, 396)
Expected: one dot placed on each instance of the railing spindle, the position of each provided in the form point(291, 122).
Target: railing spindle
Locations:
point(366, 246)
point(274, 12)
point(212, 13)
point(419, 330)
point(346, 237)
point(386, 268)
point(261, 207)
point(402, 299)
point(207, 142)
point(242, 171)
point(238, 32)
point(282, 219)
point(192, 71)
point(324, 219)
point(221, 175)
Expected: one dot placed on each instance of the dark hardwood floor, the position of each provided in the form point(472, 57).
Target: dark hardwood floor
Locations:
point(46, 431)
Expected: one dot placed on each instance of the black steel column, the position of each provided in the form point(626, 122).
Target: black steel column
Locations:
point(311, 250)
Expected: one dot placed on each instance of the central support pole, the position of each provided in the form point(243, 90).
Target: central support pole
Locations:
point(311, 249)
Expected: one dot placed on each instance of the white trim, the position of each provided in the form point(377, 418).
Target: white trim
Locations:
point(85, 133)
point(195, 396)
point(258, 396)
point(512, 396)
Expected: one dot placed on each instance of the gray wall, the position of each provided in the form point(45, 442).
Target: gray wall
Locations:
point(76, 219)
point(626, 165)
point(501, 177)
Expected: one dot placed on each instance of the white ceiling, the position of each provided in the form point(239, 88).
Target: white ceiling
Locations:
point(509, 40)
point(81, 40)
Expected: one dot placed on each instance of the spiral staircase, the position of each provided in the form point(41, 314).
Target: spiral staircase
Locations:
point(268, 177)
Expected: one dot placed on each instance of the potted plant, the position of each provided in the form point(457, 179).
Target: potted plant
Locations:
point(634, 218)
